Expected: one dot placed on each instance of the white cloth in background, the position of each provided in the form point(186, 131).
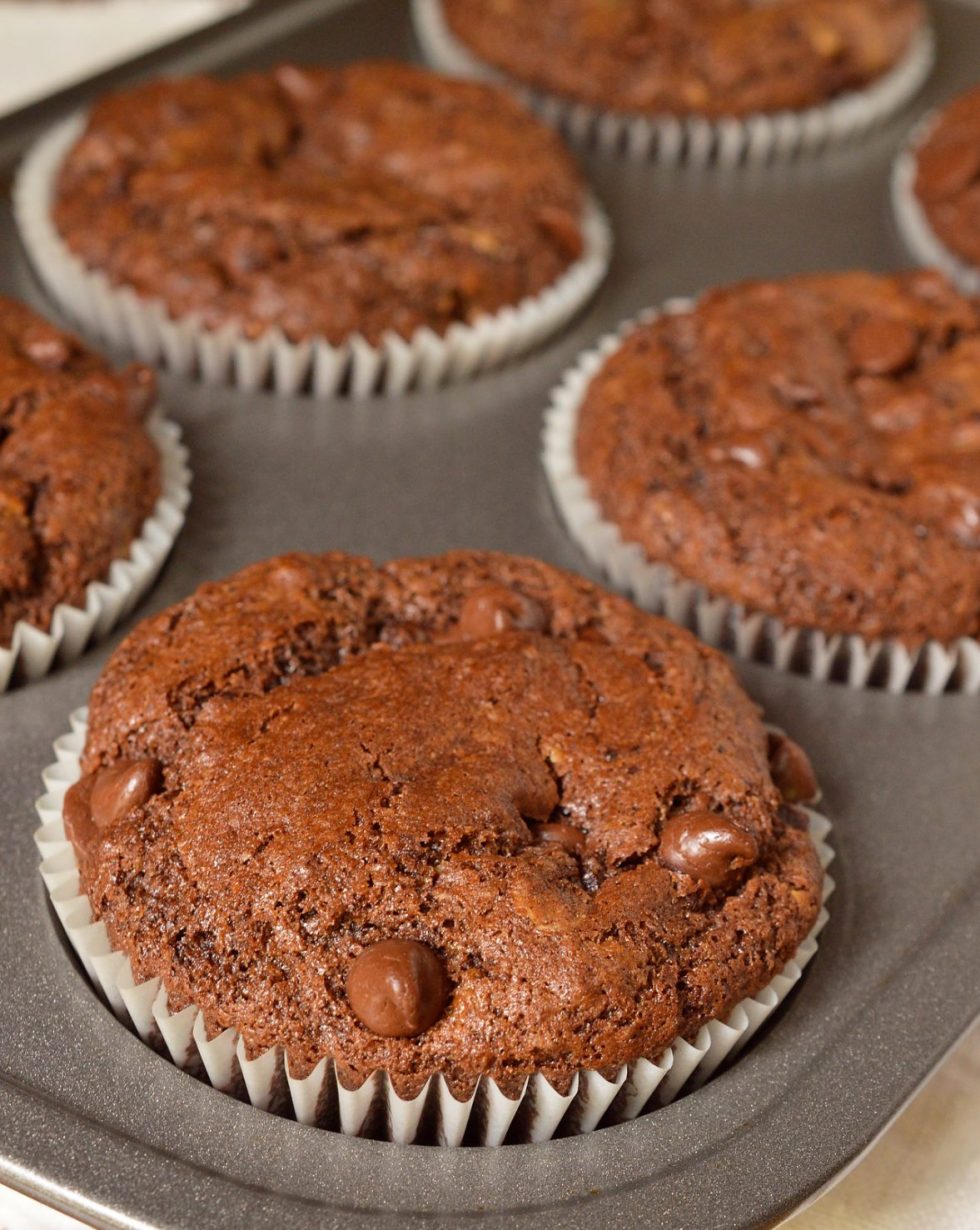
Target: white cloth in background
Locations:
point(46, 45)
point(924, 1173)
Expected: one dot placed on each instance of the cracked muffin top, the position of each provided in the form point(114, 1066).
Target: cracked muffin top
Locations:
point(947, 177)
point(78, 472)
point(809, 448)
point(712, 58)
point(466, 814)
point(324, 202)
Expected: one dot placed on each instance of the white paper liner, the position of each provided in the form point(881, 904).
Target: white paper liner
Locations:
point(488, 1117)
point(32, 651)
point(694, 141)
point(143, 326)
point(913, 222)
point(885, 663)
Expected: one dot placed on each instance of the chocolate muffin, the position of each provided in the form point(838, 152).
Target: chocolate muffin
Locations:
point(947, 177)
point(712, 58)
point(808, 448)
point(323, 202)
point(78, 472)
point(466, 814)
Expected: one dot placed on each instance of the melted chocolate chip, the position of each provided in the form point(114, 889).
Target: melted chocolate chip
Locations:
point(883, 347)
point(397, 988)
point(558, 833)
point(120, 788)
point(708, 847)
point(563, 227)
point(493, 609)
point(77, 813)
point(791, 770)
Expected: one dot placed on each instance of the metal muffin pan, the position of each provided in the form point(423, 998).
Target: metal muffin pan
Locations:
point(93, 1122)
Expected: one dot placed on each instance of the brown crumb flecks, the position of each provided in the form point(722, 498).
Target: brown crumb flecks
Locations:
point(690, 57)
point(805, 447)
point(78, 472)
point(341, 767)
point(325, 202)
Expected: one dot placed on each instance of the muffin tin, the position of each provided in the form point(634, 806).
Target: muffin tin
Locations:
point(896, 981)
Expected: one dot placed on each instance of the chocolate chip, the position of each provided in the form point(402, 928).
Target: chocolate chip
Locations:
point(882, 347)
point(791, 770)
point(397, 988)
point(77, 813)
point(708, 847)
point(493, 609)
point(563, 227)
point(556, 832)
point(121, 787)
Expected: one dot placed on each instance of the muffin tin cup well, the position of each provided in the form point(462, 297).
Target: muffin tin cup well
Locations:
point(33, 651)
point(488, 1117)
point(913, 222)
point(884, 663)
point(693, 141)
point(228, 355)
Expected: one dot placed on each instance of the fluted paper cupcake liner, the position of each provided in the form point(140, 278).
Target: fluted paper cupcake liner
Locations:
point(693, 140)
point(33, 651)
point(143, 326)
point(913, 222)
point(435, 1116)
point(885, 663)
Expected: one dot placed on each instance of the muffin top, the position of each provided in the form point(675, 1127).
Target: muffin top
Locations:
point(947, 178)
point(327, 202)
point(466, 814)
point(78, 472)
point(690, 57)
point(810, 448)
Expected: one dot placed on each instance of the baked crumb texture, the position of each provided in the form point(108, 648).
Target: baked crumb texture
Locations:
point(557, 819)
point(79, 474)
point(808, 448)
point(325, 203)
point(710, 58)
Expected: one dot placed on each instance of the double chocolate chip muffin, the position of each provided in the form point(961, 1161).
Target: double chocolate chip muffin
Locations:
point(947, 177)
point(712, 58)
point(807, 448)
point(467, 815)
point(323, 202)
point(78, 472)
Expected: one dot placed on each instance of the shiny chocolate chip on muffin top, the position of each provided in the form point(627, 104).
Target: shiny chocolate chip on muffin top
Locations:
point(466, 814)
